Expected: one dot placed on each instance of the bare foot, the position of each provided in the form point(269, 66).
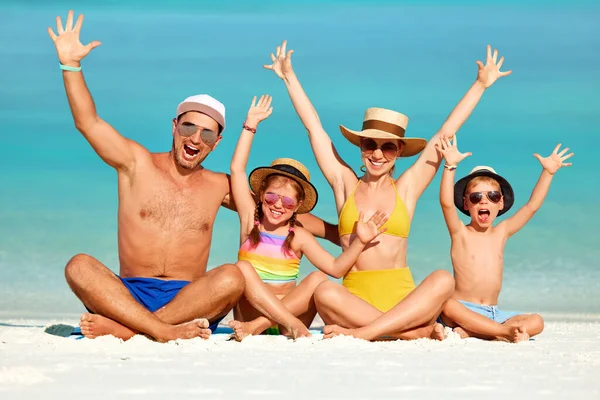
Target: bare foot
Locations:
point(518, 334)
point(330, 331)
point(94, 325)
point(461, 332)
point(241, 330)
point(437, 333)
point(296, 330)
point(187, 330)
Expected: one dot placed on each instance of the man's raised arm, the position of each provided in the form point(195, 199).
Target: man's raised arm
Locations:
point(116, 150)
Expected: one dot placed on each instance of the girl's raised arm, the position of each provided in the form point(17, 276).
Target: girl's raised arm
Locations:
point(239, 179)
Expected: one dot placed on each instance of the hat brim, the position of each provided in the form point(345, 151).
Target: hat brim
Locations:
point(310, 192)
point(461, 185)
point(203, 109)
point(412, 146)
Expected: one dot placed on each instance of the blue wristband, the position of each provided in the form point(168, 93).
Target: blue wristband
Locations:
point(67, 68)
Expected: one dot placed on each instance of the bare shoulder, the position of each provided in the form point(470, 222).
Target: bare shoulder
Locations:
point(402, 184)
point(500, 229)
point(218, 178)
point(218, 183)
point(301, 237)
point(141, 155)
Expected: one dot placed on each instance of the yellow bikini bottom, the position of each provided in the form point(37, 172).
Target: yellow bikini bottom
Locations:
point(383, 289)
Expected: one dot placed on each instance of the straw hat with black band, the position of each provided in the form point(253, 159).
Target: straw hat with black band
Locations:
point(293, 170)
point(381, 123)
point(482, 170)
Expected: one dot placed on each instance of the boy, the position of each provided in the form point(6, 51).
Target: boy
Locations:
point(477, 248)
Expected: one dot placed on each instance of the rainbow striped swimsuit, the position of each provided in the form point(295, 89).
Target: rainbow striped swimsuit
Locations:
point(270, 260)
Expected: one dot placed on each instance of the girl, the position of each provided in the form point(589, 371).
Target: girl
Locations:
point(272, 244)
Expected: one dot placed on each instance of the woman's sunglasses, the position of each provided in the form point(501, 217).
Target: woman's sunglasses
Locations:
point(494, 196)
point(187, 129)
point(389, 149)
point(286, 202)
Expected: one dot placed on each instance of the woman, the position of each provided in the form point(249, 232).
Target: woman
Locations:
point(378, 297)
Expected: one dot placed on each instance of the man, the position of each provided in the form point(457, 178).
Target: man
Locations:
point(167, 207)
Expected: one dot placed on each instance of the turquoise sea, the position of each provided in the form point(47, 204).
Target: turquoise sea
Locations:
point(57, 198)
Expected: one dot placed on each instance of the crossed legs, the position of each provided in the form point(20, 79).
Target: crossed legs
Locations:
point(119, 314)
point(412, 318)
point(468, 323)
point(260, 308)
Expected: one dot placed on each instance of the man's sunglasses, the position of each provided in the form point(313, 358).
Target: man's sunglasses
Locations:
point(286, 202)
point(187, 129)
point(494, 196)
point(389, 149)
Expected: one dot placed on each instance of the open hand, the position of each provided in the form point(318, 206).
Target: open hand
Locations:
point(367, 231)
point(447, 147)
point(259, 111)
point(69, 48)
point(555, 161)
point(282, 61)
point(489, 73)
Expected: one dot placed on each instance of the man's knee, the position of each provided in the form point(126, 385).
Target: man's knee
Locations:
point(327, 293)
point(77, 267)
point(230, 280)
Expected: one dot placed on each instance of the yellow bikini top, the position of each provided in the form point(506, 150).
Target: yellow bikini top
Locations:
point(398, 223)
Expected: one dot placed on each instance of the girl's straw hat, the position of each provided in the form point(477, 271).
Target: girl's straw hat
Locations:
point(293, 170)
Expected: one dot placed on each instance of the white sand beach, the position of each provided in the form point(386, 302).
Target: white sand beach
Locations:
point(563, 362)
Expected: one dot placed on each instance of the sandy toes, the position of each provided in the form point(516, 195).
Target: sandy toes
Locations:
point(518, 334)
point(330, 331)
point(94, 325)
point(297, 330)
point(187, 330)
point(437, 333)
point(242, 330)
point(461, 332)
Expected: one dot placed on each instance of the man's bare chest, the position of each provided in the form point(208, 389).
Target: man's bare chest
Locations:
point(162, 205)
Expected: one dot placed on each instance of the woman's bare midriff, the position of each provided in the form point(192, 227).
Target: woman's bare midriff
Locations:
point(386, 252)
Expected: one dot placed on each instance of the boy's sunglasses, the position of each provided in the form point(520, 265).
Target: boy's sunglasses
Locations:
point(187, 129)
point(494, 196)
point(286, 202)
point(389, 149)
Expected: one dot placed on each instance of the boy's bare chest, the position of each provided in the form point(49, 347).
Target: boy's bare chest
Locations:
point(481, 249)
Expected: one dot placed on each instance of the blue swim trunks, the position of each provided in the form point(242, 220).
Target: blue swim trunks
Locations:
point(492, 312)
point(156, 293)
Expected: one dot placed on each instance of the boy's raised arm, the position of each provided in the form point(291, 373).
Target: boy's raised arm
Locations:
point(453, 157)
point(550, 165)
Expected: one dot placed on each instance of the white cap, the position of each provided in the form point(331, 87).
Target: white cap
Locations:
point(484, 168)
point(204, 104)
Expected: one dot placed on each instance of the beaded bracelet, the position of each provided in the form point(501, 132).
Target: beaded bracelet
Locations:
point(450, 167)
point(246, 127)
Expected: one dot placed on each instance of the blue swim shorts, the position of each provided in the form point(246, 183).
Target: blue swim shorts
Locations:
point(492, 312)
point(156, 293)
